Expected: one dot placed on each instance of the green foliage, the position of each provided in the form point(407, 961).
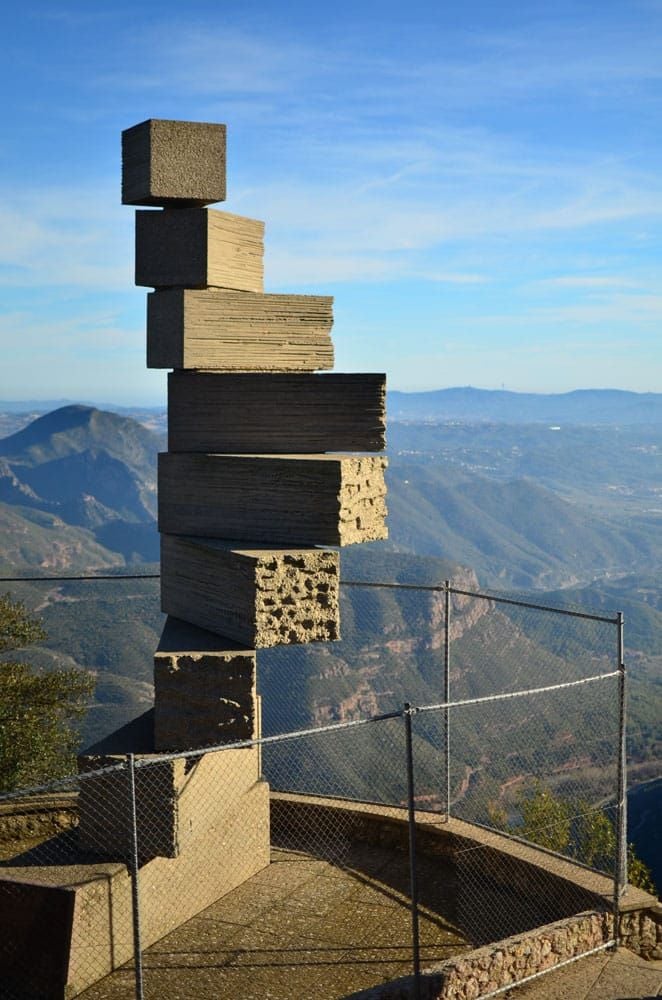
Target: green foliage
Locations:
point(17, 629)
point(578, 830)
point(639, 874)
point(594, 837)
point(545, 820)
point(37, 708)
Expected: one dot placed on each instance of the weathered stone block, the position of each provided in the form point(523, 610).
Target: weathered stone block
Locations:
point(167, 162)
point(295, 499)
point(204, 689)
point(176, 800)
point(255, 596)
point(226, 330)
point(279, 412)
point(198, 248)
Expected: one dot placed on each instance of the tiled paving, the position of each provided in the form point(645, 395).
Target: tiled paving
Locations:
point(302, 928)
point(618, 976)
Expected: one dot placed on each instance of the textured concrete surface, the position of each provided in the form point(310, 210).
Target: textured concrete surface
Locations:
point(302, 928)
point(308, 929)
point(288, 413)
point(166, 162)
point(204, 689)
point(261, 597)
point(618, 975)
point(241, 331)
point(286, 499)
point(177, 800)
point(199, 248)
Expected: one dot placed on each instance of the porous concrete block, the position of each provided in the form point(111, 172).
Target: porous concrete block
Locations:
point(238, 331)
point(204, 689)
point(287, 499)
point(275, 413)
point(175, 799)
point(199, 248)
point(166, 162)
point(255, 596)
point(89, 904)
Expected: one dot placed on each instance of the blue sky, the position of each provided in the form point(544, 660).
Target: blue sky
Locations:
point(479, 185)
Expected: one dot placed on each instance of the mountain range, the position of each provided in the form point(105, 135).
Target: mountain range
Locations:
point(522, 506)
point(583, 406)
point(483, 504)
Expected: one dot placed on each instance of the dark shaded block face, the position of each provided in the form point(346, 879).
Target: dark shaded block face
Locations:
point(173, 163)
point(35, 925)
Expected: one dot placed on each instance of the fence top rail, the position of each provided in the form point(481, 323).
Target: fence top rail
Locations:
point(407, 709)
point(504, 696)
point(375, 584)
point(610, 620)
point(443, 587)
point(87, 578)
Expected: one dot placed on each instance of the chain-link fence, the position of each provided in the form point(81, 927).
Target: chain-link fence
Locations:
point(462, 782)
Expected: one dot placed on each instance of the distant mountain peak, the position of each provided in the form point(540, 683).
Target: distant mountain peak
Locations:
point(75, 428)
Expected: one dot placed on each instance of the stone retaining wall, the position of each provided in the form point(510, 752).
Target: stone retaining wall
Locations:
point(641, 932)
point(39, 816)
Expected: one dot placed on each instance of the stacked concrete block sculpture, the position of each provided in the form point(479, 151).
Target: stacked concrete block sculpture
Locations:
point(266, 469)
point(248, 491)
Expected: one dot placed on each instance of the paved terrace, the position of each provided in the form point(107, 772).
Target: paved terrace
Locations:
point(307, 929)
point(301, 928)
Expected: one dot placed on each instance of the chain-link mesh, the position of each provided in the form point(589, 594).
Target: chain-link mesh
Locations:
point(538, 775)
point(287, 865)
point(65, 908)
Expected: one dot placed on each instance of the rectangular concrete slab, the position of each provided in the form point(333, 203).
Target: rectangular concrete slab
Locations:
point(277, 412)
point(199, 248)
point(223, 330)
point(166, 162)
point(287, 499)
point(261, 597)
point(176, 799)
point(204, 689)
point(92, 900)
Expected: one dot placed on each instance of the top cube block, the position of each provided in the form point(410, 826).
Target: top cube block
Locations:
point(171, 163)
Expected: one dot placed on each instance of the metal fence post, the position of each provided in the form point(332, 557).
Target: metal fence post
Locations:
point(621, 872)
point(413, 877)
point(133, 869)
point(447, 692)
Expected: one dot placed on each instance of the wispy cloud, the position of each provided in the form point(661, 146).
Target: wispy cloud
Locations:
point(588, 281)
point(66, 237)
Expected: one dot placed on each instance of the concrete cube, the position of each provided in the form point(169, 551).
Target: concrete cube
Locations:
point(167, 162)
point(204, 689)
point(287, 499)
point(238, 331)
